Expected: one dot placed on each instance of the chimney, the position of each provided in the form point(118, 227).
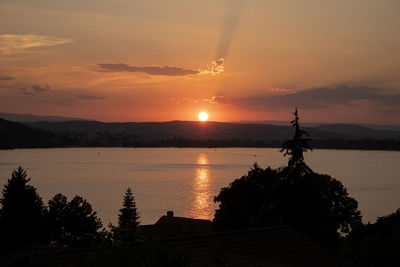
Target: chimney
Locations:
point(170, 213)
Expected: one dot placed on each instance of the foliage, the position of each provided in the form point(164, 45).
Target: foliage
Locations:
point(22, 213)
point(128, 219)
point(317, 205)
point(73, 223)
point(312, 203)
point(375, 244)
point(248, 200)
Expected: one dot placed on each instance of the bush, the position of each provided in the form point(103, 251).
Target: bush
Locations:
point(312, 203)
point(375, 244)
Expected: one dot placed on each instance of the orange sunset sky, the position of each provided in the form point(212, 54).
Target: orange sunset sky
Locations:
point(160, 60)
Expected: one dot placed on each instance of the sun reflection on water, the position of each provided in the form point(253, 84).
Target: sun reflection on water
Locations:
point(202, 205)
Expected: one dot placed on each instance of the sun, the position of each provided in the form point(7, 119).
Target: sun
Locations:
point(203, 116)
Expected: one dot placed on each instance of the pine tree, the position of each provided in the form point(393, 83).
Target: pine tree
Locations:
point(297, 146)
point(73, 223)
point(22, 213)
point(128, 219)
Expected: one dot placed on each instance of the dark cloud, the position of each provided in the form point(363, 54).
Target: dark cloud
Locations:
point(318, 98)
point(6, 78)
point(39, 89)
point(26, 92)
point(152, 70)
point(35, 90)
point(85, 96)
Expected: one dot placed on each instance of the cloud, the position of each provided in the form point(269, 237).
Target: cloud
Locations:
point(151, 70)
point(214, 99)
point(26, 92)
point(39, 89)
point(61, 97)
point(17, 43)
point(85, 96)
point(6, 78)
point(208, 100)
point(35, 90)
point(216, 67)
point(318, 98)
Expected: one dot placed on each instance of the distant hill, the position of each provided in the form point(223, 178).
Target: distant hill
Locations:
point(314, 124)
point(186, 134)
point(359, 132)
point(194, 130)
point(184, 130)
point(35, 118)
point(16, 135)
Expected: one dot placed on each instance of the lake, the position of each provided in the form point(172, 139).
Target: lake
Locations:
point(186, 180)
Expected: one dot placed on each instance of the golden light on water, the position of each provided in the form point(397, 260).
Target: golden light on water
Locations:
point(202, 205)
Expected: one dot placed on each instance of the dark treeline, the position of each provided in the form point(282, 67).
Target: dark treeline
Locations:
point(26, 222)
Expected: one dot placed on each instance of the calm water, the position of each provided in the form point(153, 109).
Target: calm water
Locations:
point(186, 180)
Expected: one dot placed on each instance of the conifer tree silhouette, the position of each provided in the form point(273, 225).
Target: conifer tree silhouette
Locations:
point(22, 213)
point(128, 219)
point(297, 146)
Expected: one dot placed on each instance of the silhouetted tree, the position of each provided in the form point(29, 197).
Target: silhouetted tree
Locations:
point(73, 223)
point(57, 211)
point(316, 204)
point(22, 213)
point(128, 219)
point(297, 146)
point(248, 201)
point(375, 244)
point(312, 203)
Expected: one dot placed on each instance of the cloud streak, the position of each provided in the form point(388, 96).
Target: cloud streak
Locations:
point(39, 89)
point(6, 78)
point(61, 97)
point(318, 98)
point(214, 68)
point(151, 70)
point(35, 90)
point(86, 96)
point(17, 43)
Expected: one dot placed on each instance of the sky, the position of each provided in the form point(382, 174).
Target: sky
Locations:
point(163, 60)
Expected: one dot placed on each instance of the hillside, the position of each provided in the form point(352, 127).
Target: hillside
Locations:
point(359, 132)
point(186, 134)
point(213, 130)
point(184, 130)
point(34, 118)
point(17, 135)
